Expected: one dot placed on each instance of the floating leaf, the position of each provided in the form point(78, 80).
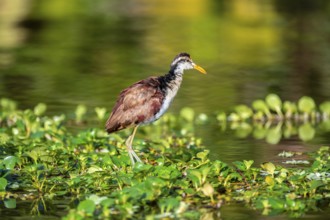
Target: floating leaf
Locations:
point(10, 162)
point(260, 105)
point(269, 167)
point(325, 107)
point(87, 206)
point(196, 177)
point(100, 112)
point(4, 138)
point(306, 104)
point(3, 184)
point(107, 202)
point(245, 165)
point(276, 203)
point(316, 183)
point(243, 111)
point(270, 180)
point(289, 108)
point(40, 109)
point(274, 102)
point(202, 155)
point(248, 163)
point(221, 117)
point(10, 203)
point(205, 171)
point(233, 117)
point(202, 118)
point(93, 169)
point(80, 112)
point(207, 189)
point(188, 114)
point(7, 104)
point(97, 199)
point(240, 165)
point(40, 153)
point(168, 204)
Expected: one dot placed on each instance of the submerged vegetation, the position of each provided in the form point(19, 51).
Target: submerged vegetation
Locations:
point(42, 159)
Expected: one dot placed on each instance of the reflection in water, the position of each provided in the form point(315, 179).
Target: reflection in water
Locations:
point(261, 141)
point(17, 85)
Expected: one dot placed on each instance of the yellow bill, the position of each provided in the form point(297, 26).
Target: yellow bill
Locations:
point(200, 69)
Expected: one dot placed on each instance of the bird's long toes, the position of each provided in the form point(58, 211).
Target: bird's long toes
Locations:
point(137, 158)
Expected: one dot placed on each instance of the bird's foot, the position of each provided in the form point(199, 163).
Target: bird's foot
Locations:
point(134, 157)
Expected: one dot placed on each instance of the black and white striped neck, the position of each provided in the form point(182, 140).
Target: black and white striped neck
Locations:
point(171, 79)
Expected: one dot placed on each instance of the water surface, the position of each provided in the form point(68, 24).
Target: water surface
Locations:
point(84, 52)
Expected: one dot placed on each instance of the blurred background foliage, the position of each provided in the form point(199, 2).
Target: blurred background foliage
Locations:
point(65, 53)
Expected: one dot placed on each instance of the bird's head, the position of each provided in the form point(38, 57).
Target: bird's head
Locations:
point(183, 62)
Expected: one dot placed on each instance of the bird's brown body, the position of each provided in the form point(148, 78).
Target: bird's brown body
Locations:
point(136, 104)
point(147, 100)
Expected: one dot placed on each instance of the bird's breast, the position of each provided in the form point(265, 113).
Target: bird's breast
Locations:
point(169, 94)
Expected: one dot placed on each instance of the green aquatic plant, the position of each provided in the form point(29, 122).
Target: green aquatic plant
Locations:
point(101, 113)
point(275, 103)
point(306, 104)
point(80, 112)
point(273, 119)
point(261, 106)
point(40, 109)
point(7, 105)
point(325, 109)
point(290, 109)
point(43, 161)
point(3, 184)
point(270, 188)
point(274, 109)
point(243, 112)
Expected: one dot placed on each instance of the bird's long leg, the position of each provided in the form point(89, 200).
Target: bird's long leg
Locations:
point(131, 153)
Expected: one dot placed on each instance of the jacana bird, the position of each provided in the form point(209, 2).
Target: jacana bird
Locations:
point(147, 100)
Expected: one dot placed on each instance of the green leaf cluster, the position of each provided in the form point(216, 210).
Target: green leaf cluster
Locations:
point(273, 119)
point(44, 161)
point(272, 108)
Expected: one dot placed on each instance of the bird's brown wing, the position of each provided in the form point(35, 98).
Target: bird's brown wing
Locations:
point(136, 104)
